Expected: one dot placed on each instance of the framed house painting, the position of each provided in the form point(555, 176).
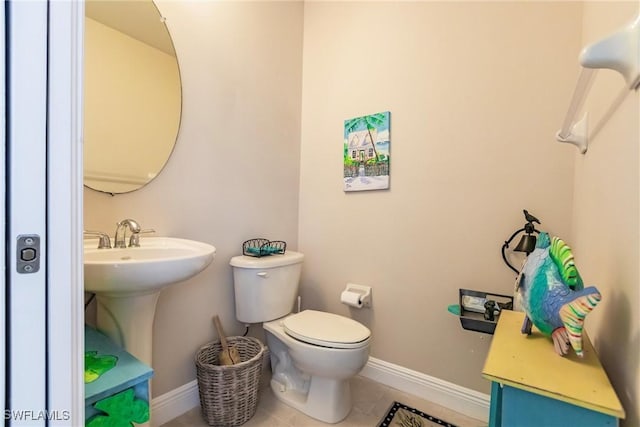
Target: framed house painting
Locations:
point(366, 152)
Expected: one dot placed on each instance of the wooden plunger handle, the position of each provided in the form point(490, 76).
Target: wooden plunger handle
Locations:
point(223, 339)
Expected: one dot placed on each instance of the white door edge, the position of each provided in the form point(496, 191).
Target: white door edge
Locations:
point(65, 206)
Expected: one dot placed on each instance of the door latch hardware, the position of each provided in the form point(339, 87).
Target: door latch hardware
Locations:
point(28, 250)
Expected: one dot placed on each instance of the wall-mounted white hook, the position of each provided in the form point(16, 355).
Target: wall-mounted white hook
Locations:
point(578, 135)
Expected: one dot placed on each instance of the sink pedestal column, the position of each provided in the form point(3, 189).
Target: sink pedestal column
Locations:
point(128, 321)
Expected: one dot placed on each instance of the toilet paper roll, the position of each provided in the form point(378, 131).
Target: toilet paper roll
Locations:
point(351, 298)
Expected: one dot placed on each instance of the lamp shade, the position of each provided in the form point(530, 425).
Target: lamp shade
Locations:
point(527, 244)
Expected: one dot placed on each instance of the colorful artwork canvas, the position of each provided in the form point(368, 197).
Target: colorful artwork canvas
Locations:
point(366, 152)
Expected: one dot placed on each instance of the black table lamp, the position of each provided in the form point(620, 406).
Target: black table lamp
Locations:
point(528, 241)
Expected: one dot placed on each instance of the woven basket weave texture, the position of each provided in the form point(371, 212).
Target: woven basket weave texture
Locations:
point(229, 394)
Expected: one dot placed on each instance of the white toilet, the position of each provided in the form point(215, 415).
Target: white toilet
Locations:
point(313, 354)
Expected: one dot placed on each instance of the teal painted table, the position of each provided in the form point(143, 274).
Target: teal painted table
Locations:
point(123, 386)
point(532, 386)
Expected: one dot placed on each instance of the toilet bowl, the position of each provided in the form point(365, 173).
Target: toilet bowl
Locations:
point(313, 354)
point(313, 357)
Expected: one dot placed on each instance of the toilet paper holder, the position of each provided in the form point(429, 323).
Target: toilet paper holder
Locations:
point(364, 293)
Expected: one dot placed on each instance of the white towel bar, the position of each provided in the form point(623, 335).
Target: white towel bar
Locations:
point(620, 52)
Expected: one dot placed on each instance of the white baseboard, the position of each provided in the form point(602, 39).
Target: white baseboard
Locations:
point(460, 399)
point(174, 403)
point(469, 402)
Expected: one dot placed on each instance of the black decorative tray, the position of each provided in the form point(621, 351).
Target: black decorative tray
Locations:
point(263, 247)
point(480, 311)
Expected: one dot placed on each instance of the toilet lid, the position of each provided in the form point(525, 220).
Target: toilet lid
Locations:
point(326, 329)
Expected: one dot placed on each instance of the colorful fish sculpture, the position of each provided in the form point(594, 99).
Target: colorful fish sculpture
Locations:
point(553, 295)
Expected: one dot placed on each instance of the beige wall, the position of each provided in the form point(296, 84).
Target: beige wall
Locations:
point(234, 172)
point(606, 212)
point(476, 93)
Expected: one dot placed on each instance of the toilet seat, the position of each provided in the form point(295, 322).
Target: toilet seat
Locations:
point(326, 329)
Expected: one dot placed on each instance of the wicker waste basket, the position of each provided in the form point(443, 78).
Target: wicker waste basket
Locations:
point(229, 394)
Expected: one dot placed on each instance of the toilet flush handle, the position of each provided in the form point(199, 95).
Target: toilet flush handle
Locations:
point(263, 274)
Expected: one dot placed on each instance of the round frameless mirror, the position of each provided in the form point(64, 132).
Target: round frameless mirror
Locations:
point(132, 95)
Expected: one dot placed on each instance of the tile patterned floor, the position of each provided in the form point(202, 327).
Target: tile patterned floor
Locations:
point(371, 401)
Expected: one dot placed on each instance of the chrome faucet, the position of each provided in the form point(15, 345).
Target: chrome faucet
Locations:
point(121, 232)
point(104, 242)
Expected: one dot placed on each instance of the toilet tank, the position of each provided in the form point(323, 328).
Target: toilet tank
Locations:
point(265, 287)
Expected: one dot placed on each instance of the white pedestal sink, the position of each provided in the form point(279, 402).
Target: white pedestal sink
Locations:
point(128, 281)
